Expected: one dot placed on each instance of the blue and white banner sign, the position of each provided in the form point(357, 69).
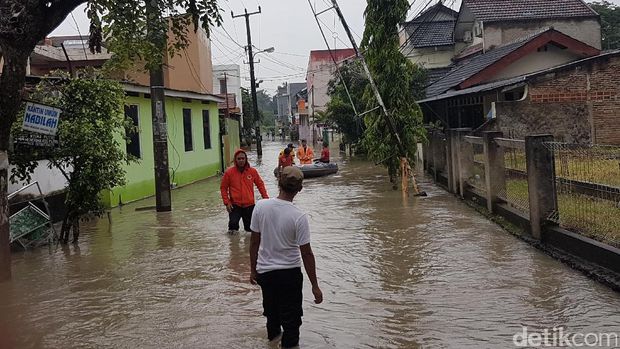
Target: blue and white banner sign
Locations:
point(41, 118)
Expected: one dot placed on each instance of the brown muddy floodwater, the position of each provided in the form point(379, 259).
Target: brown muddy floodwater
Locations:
point(422, 272)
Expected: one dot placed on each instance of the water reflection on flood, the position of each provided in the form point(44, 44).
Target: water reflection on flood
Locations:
point(427, 272)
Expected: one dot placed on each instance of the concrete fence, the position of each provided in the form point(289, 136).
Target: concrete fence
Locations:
point(517, 179)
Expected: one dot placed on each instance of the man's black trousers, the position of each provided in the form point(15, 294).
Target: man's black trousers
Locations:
point(282, 297)
point(237, 213)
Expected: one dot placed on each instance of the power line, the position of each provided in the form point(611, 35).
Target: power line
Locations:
point(231, 38)
point(290, 54)
point(225, 56)
point(318, 22)
point(284, 64)
point(194, 71)
point(233, 22)
point(410, 37)
point(80, 34)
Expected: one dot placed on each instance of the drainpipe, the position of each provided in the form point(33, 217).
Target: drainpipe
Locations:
point(482, 32)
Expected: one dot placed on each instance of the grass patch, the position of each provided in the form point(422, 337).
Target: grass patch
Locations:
point(592, 217)
point(596, 218)
point(589, 165)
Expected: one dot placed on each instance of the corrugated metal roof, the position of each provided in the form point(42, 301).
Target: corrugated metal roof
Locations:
point(480, 88)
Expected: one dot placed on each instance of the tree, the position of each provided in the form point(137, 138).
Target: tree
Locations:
point(248, 116)
point(89, 155)
point(266, 106)
point(394, 76)
point(122, 23)
point(610, 23)
point(339, 109)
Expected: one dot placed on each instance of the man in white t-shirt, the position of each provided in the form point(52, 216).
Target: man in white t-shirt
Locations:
point(280, 242)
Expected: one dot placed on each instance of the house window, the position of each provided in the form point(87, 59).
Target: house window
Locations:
point(133, 135)
point(223, 88)
point(187, 129)
point(206, 129)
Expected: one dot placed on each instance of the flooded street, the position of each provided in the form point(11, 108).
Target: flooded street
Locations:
point(421, 272)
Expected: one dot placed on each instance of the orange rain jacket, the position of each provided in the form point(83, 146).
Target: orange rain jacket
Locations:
point(237, 187)
point(305, 155)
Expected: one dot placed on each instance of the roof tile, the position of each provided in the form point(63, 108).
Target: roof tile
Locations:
point(469, 67)
point(501, 10)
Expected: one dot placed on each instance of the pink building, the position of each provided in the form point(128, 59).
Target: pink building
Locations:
point(321, 69)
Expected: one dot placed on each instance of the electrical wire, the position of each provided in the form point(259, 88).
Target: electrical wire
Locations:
point(318, 22)
point(81, 37)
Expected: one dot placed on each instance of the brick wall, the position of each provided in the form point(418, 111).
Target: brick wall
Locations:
point(588, 92)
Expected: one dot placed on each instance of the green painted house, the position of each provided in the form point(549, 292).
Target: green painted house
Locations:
point(194, 142)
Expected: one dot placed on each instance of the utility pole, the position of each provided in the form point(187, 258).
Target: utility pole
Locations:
point(157, 32)
point(312, 103)
point(259, 148)
point(405, 168)
point(373, 86)
point(226, 117)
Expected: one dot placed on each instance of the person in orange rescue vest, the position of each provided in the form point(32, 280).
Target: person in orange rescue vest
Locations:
point(305, 153)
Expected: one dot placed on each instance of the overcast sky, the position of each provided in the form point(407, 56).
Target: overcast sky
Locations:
point(287, 25)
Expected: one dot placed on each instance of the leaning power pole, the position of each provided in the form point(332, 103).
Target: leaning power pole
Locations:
point(157, 32)
point(371, 81)
point(405, 167)
point(259, 148)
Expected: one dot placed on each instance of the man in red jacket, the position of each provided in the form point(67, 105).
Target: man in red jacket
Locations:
point(237, 190)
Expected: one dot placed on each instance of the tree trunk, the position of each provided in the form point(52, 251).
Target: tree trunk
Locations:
point(22, 26)
point(76, 229)
point(70, 225)
point(5, 250)
point(65, 229)
point(11, 87)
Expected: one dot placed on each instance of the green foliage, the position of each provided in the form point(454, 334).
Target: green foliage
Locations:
point(88, 154)
point(135, 31)
point(248, 115)
point(339, 110)
point(266, 106)
point(610, 23)
point(398, 81)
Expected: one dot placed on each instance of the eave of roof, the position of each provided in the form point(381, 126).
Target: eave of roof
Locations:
point(483, 67)
point(512, 82)
point(131, 87)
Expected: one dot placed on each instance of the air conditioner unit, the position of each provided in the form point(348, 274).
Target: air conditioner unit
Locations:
point(467, 36)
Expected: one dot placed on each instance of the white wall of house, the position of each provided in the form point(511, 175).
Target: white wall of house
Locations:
point(432, 57)
point(50, 180)
point(465, 23)
point(305, 128)
point(585, 30)
point(233, 73)
point(553, 56)
point(321, 72)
